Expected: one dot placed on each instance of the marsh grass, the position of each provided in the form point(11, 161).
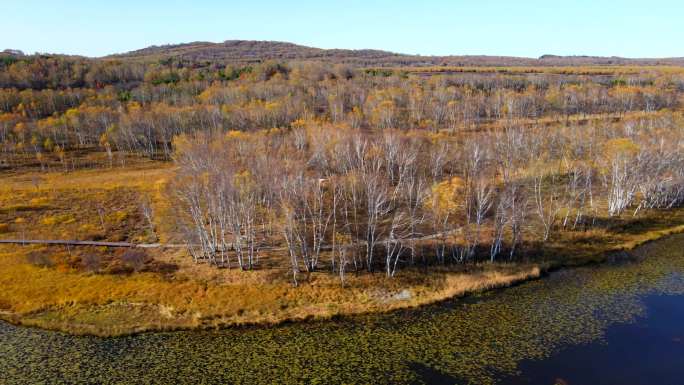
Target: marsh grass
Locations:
point(108, 304)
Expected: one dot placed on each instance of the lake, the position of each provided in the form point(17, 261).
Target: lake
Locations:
point(615, 323)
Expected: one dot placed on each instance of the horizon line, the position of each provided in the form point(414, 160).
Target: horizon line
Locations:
point(35, 53)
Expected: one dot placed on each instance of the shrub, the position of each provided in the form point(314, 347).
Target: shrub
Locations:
point(135, 259)
point(117, 217)
point(90, 232)
point(58, 219)
point(39, 202)
point(91, 262)
point(39, 258)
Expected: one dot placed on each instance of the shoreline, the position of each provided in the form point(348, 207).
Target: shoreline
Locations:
point(82, 330)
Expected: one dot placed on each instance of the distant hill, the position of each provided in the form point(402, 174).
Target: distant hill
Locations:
point(250, 51)
point(12, 52)
point(603, 60)
point(256, 51)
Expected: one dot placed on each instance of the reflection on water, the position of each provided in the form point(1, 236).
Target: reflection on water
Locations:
point(573, 326)
point(650, 351)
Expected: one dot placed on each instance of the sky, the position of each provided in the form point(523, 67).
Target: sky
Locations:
point(529, 28)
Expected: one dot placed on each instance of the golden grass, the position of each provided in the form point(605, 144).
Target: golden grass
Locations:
point(84, 204)
point(143, 177)
point(649, 236)
point(108, 305)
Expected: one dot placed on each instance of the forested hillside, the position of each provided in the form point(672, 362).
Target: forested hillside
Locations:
point(237, 51)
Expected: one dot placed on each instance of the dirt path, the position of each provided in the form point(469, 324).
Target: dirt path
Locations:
point(163, 245)
point(86, 243)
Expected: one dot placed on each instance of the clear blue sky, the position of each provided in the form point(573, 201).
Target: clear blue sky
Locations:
point(652, 28)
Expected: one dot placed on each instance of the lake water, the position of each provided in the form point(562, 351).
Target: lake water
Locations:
point(618, 323)
point(649, 351)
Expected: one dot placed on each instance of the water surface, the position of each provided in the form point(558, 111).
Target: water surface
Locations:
point(649, 351)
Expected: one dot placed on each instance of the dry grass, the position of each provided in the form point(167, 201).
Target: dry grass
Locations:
point(109, 304)
point(86, 204)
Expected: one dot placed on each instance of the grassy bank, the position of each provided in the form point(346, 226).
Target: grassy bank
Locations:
point(113, 305)
point(108, 292)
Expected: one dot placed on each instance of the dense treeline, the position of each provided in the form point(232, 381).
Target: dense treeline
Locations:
point(50, 105)
point(343, 198)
